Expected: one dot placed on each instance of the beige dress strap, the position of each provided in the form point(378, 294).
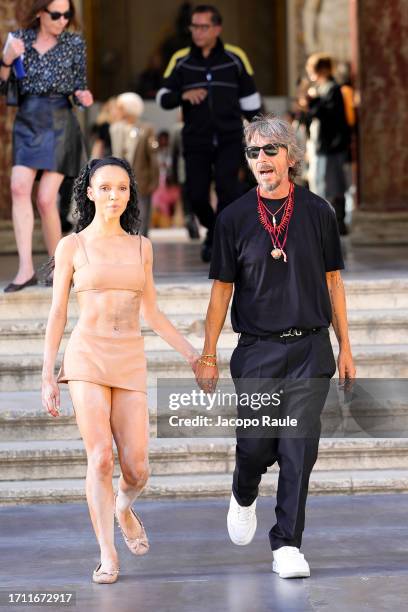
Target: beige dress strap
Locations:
point(81, 246)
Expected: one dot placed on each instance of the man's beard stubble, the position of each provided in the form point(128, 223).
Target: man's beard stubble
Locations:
point(270, 186)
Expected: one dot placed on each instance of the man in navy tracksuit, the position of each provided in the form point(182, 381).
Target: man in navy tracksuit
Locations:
point(214, 85)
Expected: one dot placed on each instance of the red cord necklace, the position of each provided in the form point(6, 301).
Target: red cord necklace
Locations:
point(278, 233)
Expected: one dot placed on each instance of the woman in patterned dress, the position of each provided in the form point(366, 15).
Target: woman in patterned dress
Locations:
point(46, 133)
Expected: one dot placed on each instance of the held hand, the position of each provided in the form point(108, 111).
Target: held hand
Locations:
point(50, 396)
point(207, 377)
point(84, 96)
point(195, 96)
point(193, 361)
point(13, 49)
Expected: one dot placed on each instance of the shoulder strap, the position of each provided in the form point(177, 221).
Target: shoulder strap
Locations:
point(81, 246)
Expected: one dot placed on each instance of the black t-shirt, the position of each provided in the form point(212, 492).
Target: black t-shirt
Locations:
point(270, 295)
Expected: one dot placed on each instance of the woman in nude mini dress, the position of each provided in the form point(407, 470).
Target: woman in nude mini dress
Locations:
point(104, 362)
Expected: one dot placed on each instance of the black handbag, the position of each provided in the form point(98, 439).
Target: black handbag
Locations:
point(12, 91)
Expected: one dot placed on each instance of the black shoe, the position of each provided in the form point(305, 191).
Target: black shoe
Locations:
point(12, 287)
point(206, 251)
point(49, 280)
point(192, 227)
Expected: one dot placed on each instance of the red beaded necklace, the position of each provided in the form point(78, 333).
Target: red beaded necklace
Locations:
point(276, 230)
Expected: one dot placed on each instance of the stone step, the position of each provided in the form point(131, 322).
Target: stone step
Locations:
point(376, 326)
point(23, 372)
point(173, 298)
point(39, 460)
point(22, 417)
point(178, 298)
point(27, 336)
point(66, 459)
point(365, 326)
point(207, 485)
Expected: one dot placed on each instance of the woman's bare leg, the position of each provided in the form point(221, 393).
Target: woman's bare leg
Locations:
point(92, 405)
point(21, 184)
point(130, 427)
point(50, 183)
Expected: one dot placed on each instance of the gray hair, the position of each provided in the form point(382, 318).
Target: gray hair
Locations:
point(131, 103)
point(280, 132)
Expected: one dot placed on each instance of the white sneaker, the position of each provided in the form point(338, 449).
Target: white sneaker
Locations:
point(241, 521)
point(289, 562)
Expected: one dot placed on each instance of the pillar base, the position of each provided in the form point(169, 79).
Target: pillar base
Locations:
point(8, 242)
point(379, 228)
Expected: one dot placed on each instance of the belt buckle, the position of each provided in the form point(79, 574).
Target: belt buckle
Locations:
point(291, 333)
point(286, 334)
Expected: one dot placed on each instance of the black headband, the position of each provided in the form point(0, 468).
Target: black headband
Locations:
point(106, 161)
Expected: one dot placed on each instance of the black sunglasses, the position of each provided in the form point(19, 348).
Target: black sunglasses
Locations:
point(269, 149)
point(55, 15)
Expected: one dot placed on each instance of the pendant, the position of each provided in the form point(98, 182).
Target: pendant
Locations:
point(276, 253)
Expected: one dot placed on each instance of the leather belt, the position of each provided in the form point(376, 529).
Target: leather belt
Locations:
point(292, 332)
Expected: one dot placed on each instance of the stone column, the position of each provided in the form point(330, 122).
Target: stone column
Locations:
point(382, 214)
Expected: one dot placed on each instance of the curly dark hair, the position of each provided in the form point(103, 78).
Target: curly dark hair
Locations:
point(84, 211)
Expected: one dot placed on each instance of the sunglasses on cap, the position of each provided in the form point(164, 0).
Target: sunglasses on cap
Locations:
point(55, 15)
point(268, 149)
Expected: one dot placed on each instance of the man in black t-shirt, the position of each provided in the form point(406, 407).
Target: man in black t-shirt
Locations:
point(278, 247)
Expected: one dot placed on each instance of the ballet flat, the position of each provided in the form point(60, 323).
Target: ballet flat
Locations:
point(13, 287)
point(137, 546)
point(104, 577)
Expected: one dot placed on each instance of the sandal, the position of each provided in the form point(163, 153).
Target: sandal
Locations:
point(102, 577)
point(137, 546)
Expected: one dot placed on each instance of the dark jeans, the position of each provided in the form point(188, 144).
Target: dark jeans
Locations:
point(294, 362)
point(221, 163)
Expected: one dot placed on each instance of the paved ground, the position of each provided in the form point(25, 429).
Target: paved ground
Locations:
point(177, 259)
point(357, 547)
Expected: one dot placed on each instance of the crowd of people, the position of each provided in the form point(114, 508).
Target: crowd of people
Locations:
point(276, 246)
point(198, 167)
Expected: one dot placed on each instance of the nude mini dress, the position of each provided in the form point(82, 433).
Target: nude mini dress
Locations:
point(116, 360)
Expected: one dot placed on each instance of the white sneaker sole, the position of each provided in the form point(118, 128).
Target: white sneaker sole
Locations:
point(240, 541)
point(293, 574)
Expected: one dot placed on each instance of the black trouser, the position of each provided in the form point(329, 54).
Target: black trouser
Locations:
point(65, 193)
point(221, 163)
point(187, 209)
point(294, 361)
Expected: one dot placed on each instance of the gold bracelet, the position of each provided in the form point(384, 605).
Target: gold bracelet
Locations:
point(210, 355)
point(207, 363)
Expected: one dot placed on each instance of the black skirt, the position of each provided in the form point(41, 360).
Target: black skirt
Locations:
point(47, 136)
